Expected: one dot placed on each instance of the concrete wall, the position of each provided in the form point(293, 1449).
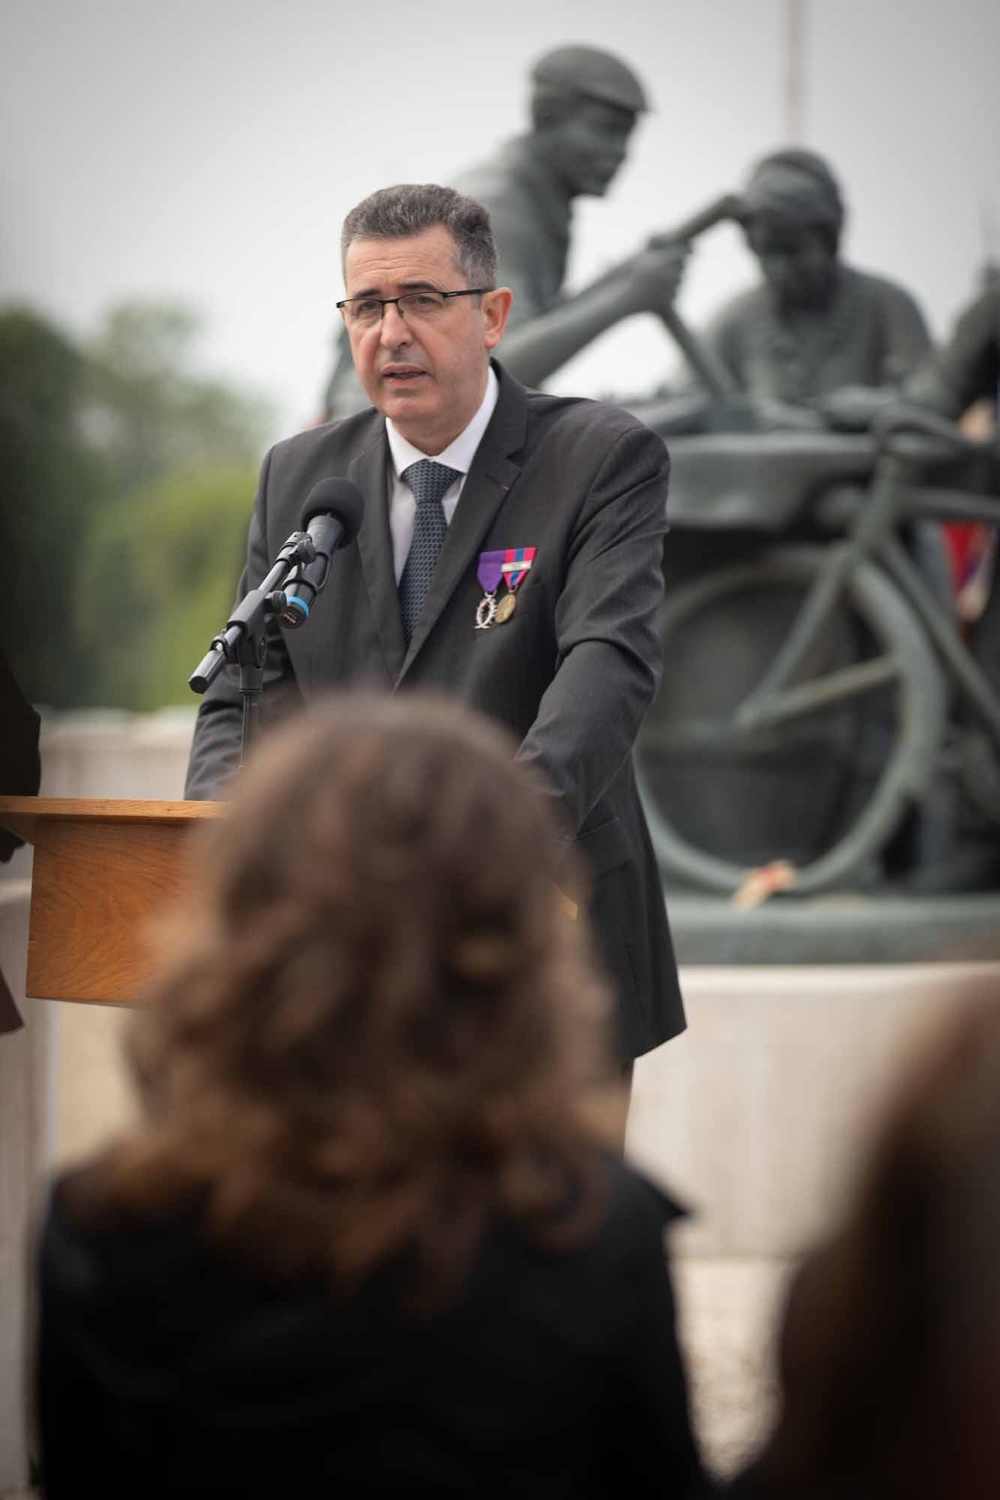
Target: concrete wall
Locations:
point(753, 1116)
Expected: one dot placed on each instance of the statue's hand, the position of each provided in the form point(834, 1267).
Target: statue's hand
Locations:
point(655, 274)
point(781, 416)
point(854, 407)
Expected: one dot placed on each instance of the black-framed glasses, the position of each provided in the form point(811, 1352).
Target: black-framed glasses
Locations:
point(418, 306)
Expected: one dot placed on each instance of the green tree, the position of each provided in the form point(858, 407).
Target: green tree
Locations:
point(101, 445)
point(156, 581)
point(149, 410)
point(50, 482)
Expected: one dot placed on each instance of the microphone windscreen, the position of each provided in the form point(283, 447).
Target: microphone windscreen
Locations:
point(338, 497)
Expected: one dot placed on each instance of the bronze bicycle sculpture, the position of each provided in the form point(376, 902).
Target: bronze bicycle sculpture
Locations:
point(860, 622)
point(755, 460)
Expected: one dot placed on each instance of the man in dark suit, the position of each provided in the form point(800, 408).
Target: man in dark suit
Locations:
point(520, 569)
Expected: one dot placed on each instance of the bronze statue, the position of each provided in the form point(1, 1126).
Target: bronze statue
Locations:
point(819, 343)
point(584, 107)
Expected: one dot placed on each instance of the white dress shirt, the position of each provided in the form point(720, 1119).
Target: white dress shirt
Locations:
point(458, 455)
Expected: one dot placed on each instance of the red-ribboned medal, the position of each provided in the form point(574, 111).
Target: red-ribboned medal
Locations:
point(509, 566)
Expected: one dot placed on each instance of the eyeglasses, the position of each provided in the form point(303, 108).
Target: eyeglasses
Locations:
point(420, 307)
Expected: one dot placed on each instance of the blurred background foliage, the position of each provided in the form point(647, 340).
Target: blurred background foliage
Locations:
point(127, 479)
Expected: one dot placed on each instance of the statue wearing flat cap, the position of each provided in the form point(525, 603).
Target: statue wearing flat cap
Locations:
point(584, 107)
point(816, 330)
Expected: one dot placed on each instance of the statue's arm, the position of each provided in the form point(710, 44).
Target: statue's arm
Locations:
point(647, 282)
point(722, 337)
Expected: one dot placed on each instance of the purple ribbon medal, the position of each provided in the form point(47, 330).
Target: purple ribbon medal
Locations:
point(510, 564)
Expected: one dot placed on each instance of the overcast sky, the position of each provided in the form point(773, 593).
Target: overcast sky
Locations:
point(208, 149)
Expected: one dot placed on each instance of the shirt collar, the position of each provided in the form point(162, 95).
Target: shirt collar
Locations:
point(459, 453)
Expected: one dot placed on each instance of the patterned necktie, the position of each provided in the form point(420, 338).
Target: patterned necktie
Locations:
point(428, 481)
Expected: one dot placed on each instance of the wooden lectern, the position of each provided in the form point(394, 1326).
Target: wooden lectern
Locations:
point(101, 870)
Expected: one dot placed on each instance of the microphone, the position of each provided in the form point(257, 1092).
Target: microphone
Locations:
point(331, 518)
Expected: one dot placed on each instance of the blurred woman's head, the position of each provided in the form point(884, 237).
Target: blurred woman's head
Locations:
point(891, 1352)
point(376, 1023)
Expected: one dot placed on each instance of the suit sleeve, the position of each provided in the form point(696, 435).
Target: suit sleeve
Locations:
point(218, 732)
point(608, 648)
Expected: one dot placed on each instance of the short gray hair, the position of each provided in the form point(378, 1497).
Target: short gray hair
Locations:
point(410, 208)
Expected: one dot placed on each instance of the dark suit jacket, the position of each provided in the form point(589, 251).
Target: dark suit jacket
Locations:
point(166, 1369)
point(570, 674)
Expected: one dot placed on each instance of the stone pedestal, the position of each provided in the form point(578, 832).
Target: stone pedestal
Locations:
point(754, 1117)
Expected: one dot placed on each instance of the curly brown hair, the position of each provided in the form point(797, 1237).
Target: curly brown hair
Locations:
point(376, 1027)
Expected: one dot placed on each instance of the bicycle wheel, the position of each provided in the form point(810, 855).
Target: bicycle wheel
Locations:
point(899, 661)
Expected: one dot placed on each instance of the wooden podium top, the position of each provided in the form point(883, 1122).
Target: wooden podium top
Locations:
point(102, 869)
point(22, 814)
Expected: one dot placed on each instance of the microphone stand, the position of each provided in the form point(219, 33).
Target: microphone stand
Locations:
point(243, 642)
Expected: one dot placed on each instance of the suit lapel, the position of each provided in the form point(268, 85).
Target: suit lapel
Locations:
point(370, 472)
point(489, 479)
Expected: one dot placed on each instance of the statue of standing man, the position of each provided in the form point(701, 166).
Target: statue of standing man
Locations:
point(584, 107)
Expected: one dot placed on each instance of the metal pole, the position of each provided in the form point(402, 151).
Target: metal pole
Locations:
point(794, 100)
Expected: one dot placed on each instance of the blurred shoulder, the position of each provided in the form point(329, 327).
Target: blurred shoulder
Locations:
point(90, 1248)
point(578, 419)
point(880, 289)
point(295, 464)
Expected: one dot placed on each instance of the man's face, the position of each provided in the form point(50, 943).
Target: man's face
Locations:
point(796, 259)
point(590, 145)
point(428, 375)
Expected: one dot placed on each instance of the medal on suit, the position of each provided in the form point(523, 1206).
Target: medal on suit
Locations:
point(489, 572)
point(511, 564)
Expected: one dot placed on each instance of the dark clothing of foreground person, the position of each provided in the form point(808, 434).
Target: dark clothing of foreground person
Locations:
point(166, 1371)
